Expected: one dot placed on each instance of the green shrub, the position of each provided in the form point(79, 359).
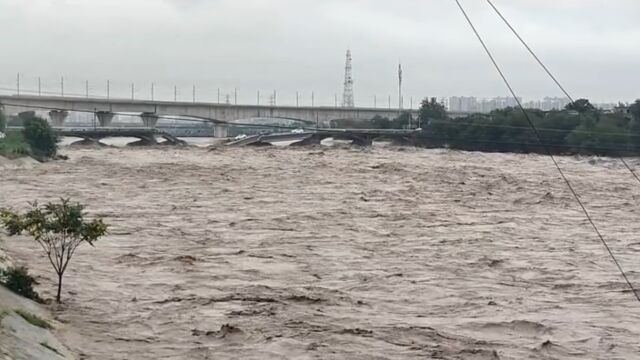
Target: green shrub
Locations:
point(3, 122)
point(34, 320)
point(19, 281)
point(13, 145)
point(40, 137)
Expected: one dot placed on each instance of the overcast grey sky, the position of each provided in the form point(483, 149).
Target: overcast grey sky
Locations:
point(299, 45)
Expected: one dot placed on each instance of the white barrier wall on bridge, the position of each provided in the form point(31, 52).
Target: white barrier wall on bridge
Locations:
point(222, 112)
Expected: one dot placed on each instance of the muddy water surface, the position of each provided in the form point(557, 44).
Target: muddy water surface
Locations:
point(279, 253)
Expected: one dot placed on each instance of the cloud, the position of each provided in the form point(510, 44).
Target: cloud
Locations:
point(299, 45)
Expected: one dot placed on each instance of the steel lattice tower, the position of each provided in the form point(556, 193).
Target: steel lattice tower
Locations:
point(347, 95)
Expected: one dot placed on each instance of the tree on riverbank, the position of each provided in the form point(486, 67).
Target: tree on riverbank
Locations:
point(36, 139)
point(40, 137)
point(581, 106)
point(431, 109)
point(59, 229)
point(578, 129)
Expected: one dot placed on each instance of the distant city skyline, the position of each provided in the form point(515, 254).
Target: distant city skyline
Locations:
point(484, 105)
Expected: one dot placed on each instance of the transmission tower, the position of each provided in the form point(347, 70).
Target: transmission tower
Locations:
point(347, 95)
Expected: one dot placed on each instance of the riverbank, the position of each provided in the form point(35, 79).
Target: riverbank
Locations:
point(334, 253)
point(24, 326)
point(20, 336)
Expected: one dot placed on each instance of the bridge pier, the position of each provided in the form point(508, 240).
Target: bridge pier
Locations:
point(149, 119)
point(58, 117)
point(26, 115)
point(220, 130)
point(105, 118)
point(144, 141)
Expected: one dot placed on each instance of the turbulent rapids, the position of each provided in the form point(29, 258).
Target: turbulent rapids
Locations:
point(333, 253)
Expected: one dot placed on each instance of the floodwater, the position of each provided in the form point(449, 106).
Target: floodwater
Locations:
point(341, 253)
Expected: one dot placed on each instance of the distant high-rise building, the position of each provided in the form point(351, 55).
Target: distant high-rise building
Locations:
point(462, 104)
point(471, 104)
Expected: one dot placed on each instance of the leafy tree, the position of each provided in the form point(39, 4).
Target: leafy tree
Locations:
point(634, 109)
point(403, 121)
point(581, 106)
point(40, 137)
point(431, 109)
point(379, 122)
point(59, 228)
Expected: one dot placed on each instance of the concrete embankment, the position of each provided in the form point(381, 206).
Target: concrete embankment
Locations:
point(27, 329)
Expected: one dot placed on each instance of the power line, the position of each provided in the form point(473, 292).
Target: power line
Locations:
point(531, 51)
point(539, 138)
point(549, 73)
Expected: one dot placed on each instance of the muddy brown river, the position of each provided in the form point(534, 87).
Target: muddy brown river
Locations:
point(341, 253)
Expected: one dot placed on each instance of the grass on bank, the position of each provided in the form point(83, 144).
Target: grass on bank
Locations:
point(34, 319)
point(13, 145)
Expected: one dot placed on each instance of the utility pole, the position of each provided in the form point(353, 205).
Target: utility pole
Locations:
point(389, 102)
point(297, 103)
point(218, 95)
point(313, 99)
point(335, 99)
point(400, 102)
point(175, 93)
point(132, 90)
point(375, 102)
point(194, 94)
point(108, 89)
point(18, 84)
point(152, 91)
point(275, 98)
point(258, 102)
point(39, 87)
point(235, 96)
point(86, 88)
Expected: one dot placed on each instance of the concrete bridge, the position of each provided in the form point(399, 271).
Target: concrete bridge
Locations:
point(147, 136)
point(362, 137)
point(220, 114)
